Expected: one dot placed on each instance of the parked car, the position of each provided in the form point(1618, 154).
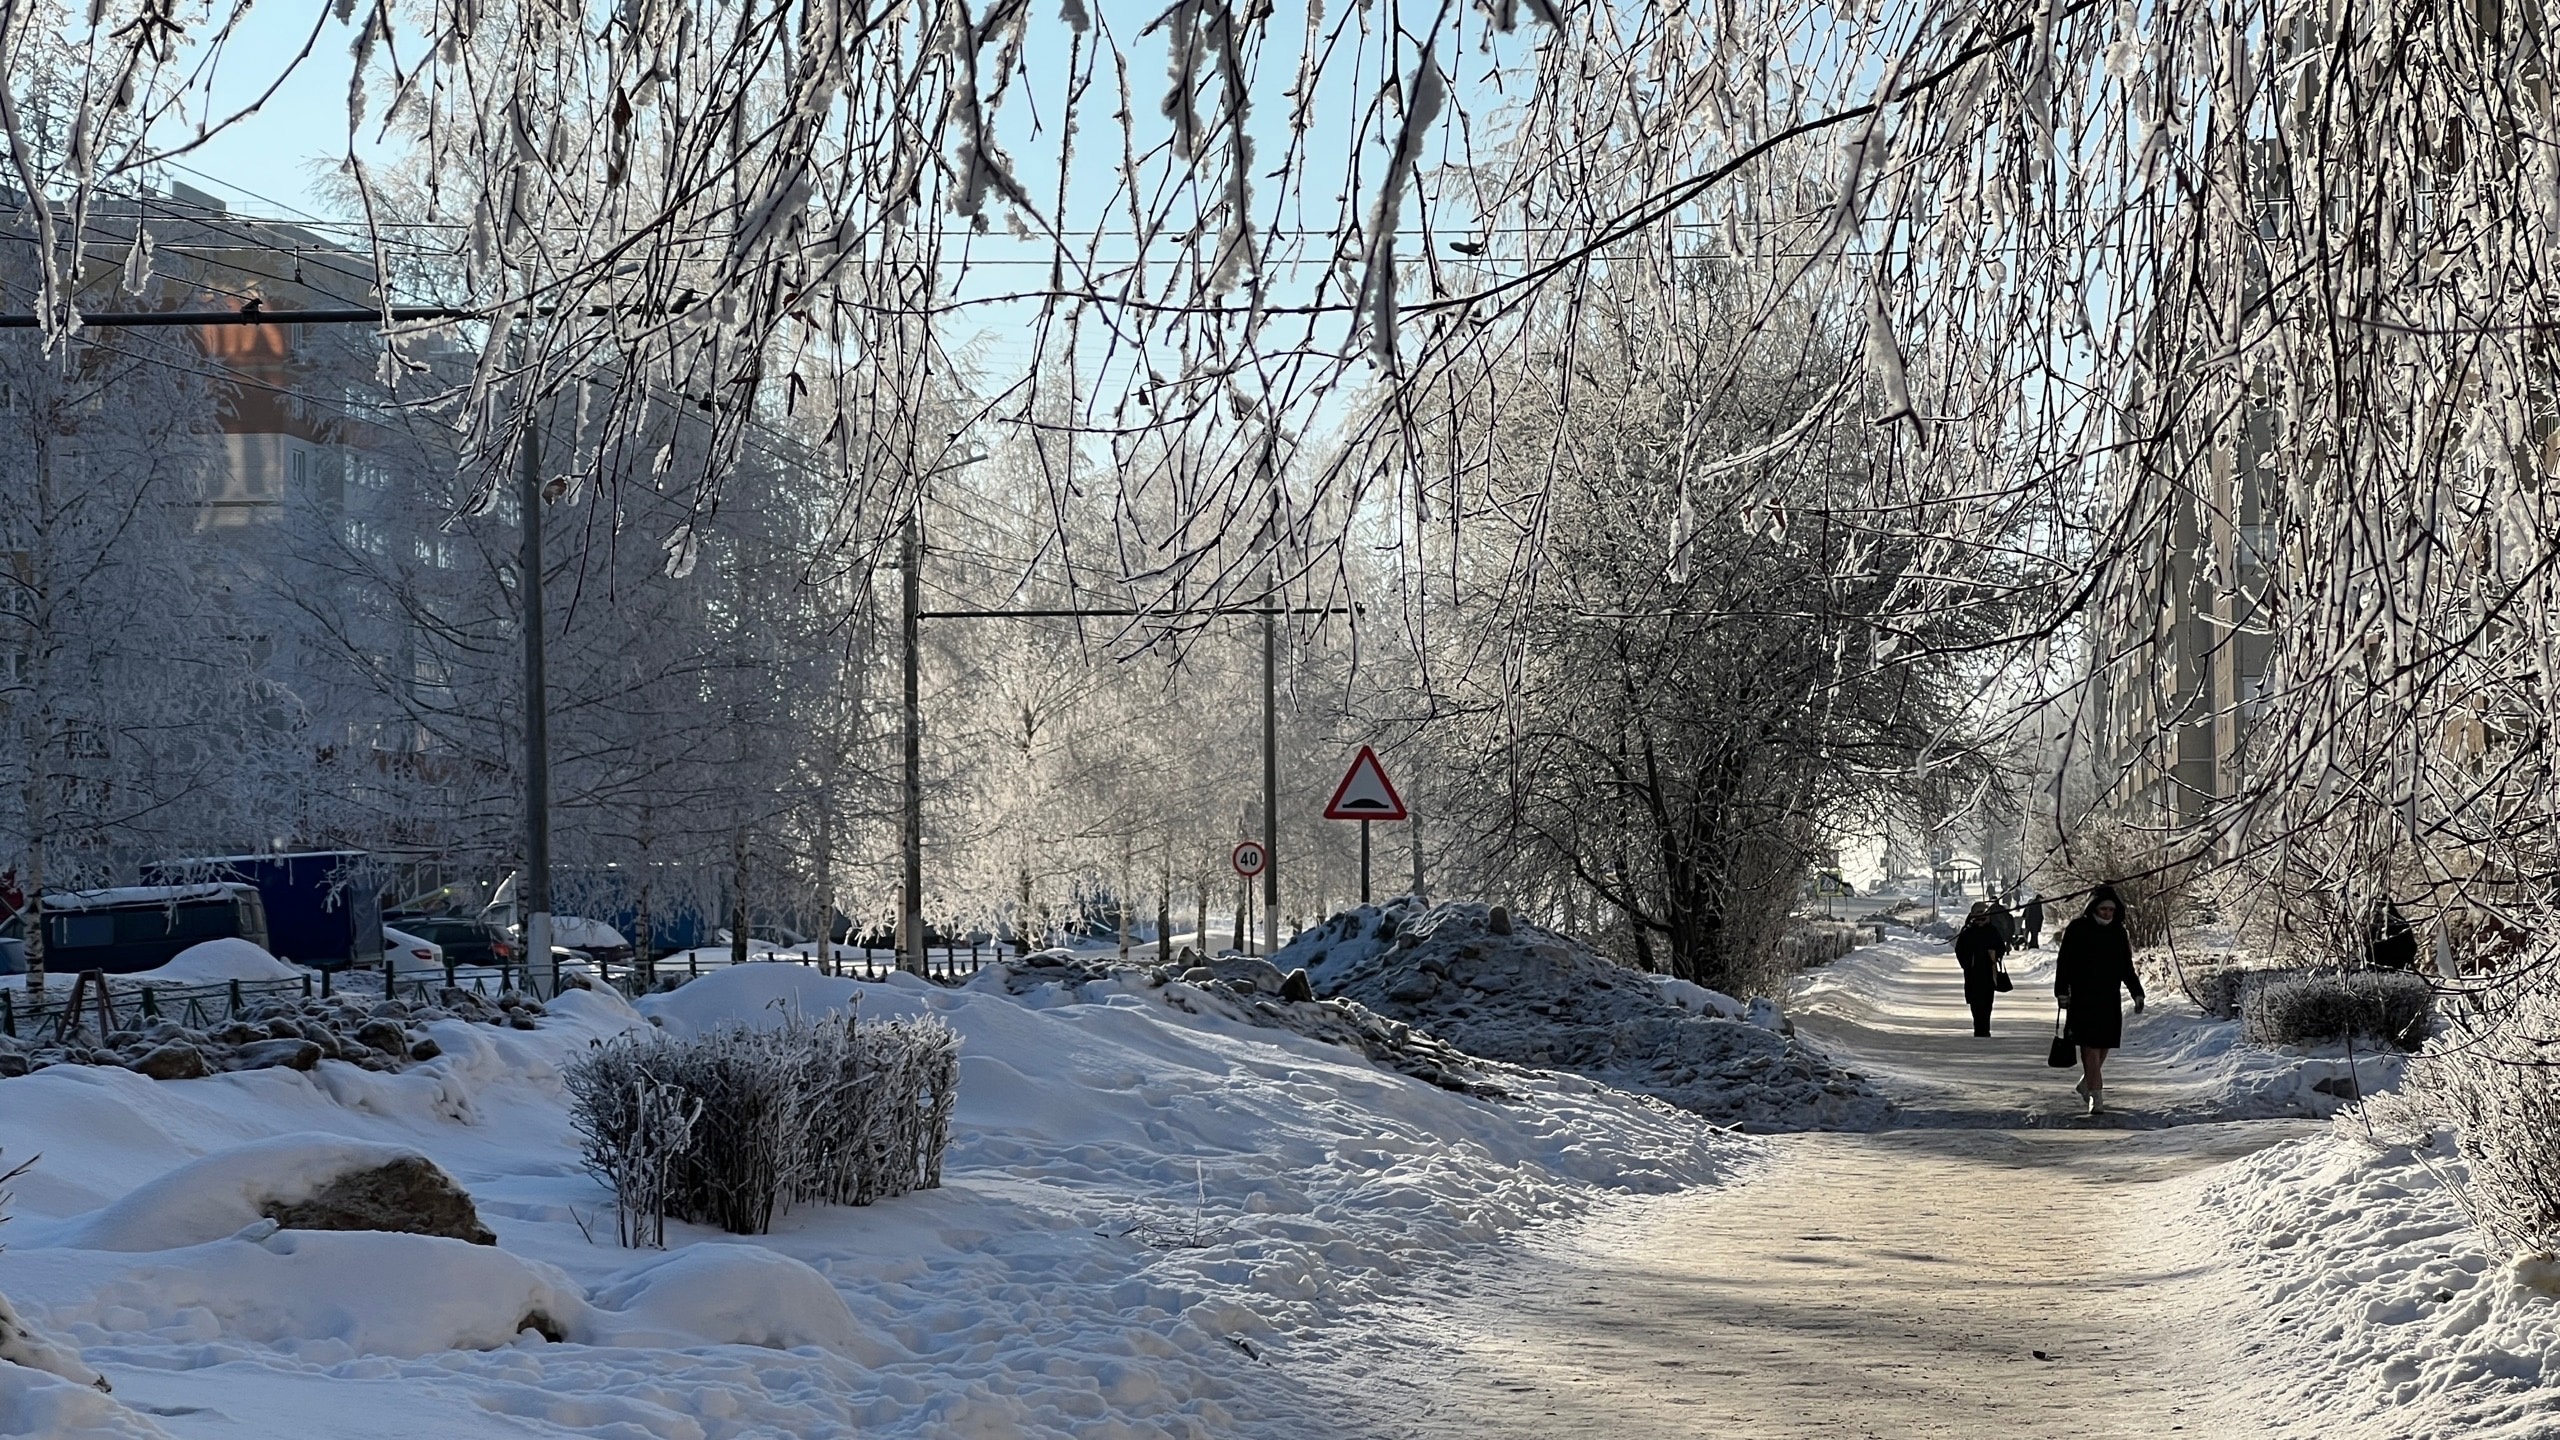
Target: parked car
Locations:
point(767, 936)
point(595, 938)
point(143, 927)
point(406, 951)
point(463, 940)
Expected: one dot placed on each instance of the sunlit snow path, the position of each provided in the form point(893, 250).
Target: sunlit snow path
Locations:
point(1892, 1285)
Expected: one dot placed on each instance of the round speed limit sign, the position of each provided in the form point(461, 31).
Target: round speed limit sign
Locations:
point(1251, 859)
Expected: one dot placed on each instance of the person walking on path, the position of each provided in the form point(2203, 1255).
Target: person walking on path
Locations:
point(1979, 946)
point(2092, 963)
point(2033, 920)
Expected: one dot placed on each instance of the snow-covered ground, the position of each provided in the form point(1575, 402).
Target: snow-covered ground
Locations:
point(2347, 1294)
point(1149, 1219)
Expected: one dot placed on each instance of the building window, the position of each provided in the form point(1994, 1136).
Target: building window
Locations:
point(2259, 545)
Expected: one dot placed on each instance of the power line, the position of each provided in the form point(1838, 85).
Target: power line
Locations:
point(254, 314)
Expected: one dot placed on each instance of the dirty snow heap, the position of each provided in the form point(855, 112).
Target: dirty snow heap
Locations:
point(1507, 990)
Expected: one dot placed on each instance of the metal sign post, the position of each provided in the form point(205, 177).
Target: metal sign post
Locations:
point(1365, 794)
point(1251, 858)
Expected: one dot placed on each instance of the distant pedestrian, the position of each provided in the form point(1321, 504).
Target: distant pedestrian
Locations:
point(2005, 920)
point(2034, 921)
point(2092, 964)
point(2389, 943)
point(1979, 946)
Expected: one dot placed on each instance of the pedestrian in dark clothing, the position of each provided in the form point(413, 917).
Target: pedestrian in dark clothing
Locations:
point(1979, 946)
point(2005, 920)
point(2389, 943)
point(2092, 962)
point(2034, 921)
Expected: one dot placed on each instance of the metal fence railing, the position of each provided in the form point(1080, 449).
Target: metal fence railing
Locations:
point(110, 1003)
point(76, 1002)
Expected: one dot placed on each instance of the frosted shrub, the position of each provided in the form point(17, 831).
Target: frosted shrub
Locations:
point(726, 1127)
point(2491, 1079)
point(2379, 1005)
point(638, 1130)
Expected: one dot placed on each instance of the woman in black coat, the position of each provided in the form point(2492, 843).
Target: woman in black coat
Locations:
point(1979, 946)
point(2091, 964)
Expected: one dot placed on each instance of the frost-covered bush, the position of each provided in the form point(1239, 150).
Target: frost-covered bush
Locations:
point(2490, 1077)
point(725, 1127)
point(2155, 881)
point(2380, 1005)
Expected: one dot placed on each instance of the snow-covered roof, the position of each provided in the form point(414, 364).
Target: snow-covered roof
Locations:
point(259, 859)
point(144, 895)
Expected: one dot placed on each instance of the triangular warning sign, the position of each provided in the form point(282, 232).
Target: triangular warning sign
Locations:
point(1366, 793)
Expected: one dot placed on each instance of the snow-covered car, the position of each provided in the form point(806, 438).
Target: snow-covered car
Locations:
point(599, 940)
point(763, 937)
point(405, 951)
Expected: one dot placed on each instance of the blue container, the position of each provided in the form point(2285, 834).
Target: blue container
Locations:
point(323, 906)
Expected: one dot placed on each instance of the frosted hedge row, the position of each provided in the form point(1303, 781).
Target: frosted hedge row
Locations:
point(727, 1127)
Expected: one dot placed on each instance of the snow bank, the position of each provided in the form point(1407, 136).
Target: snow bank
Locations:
point(2389, 1318)
point(1699, 1000)
point(319, 1296)
point(726, 1295)
point(1503, 989)
point(1152, 1223)
point(760, 994)
point(34, 1403)
point(223, 1193)
point(215, 961)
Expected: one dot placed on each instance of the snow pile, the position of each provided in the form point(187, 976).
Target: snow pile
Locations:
point(215, 962)
point(1151, 1223)
point(1699, 1000)
point(766, 994)
point(1510, 991)
point(2393, 1321)
point(726, 1295)
point(319, 1296)
point(33, 1402)
point(1252, 990)
point(225, 1193)
point(2227, 1078)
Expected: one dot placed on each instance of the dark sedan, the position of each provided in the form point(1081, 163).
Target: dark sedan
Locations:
point(465, 941)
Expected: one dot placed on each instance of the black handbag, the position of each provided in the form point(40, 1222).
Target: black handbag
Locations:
point(2064, 1054)
point(2000, 980)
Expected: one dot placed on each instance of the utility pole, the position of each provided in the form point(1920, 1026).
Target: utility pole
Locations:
point(911, 897)
point(534, 895)
point(1270, 780)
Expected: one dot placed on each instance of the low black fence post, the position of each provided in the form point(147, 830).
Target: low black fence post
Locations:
point(150, 1004)
point(449, 976)
point(8, 1015)
point(235, 999)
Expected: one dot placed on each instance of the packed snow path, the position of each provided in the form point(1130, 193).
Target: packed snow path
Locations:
point(1895, 1284)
